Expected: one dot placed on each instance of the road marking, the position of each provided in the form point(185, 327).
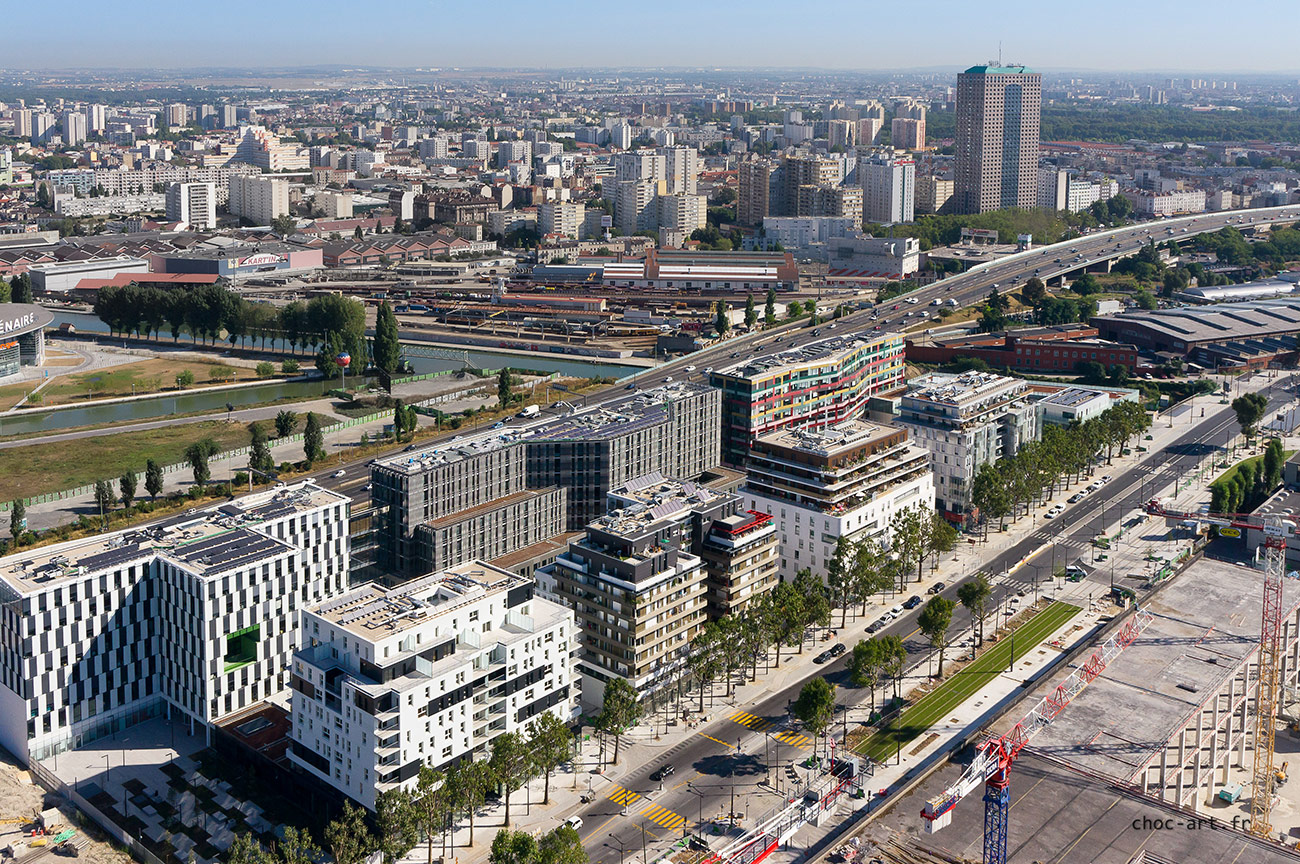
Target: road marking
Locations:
point(663, 817)
point(711, 738)
point(622, 796)
point(758, 724)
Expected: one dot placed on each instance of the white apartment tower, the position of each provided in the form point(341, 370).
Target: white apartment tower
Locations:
point(431, 671)
point(564, 218)
point(681, 169)
point(192, 203)
point(194, 617)
point(258, 199)
point(888, 181)
point(74, 127)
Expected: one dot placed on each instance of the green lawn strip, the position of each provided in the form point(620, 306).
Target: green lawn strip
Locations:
point(940, 702)
point(1254, 460)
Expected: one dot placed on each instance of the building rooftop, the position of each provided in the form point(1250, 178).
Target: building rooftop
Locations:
point(1073, 397)
point(208, 542)
point(650, 499)
point(374, 612)
point(994, 68)
point(1206, 626)
point(955, 389)
point(455, 450)
point(826, 351)
point(829, 440)
point(1250, 319)
point(614, 419)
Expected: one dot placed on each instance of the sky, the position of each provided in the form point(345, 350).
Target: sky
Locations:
point(1157, 35)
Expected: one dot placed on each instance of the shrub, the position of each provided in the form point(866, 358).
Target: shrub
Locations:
point(289, 367)
point(265, 369)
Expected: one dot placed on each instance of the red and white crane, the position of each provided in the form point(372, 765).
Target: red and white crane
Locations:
point(994, 757)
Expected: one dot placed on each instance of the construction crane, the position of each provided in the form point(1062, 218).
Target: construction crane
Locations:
point(1276, 529)
point(994, 757)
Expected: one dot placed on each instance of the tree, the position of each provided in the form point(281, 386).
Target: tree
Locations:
point(551, 743)
point(705, 657)
point(941, 537)
point(787, 616)
point(751, 314)
point(839, 577)
point(620, 710)
point(511, 763)
point(397, 824)
point(997, 301)
point(721, 321)
point(153, 478)
point(793, 309)
point(430, 803)
point(908, 535)
point(388, 347)
point(503, 386)
point(974, 594)
point(284, 224)
point(126, 486)
point(313, 439)
point(347, 837)
point(769, 308)
point(297, 847)
point(513, 847)
point(561, 845)
point(1273, 461)
point(197, 455)
point(471, 780)
point(991, 319)
point(1145, 299)
point(357, 233)
point(864, 665)
point(259, 454)
point(893, 653)
point(285, 421)
point(816, 605)
point(244, 849)
point(934, 621)
point(815, 706)
point(185, 378)
point(1249, 408)
point(1033, 291)
point(989, 493)
point(17, 519)
point(1085, 285)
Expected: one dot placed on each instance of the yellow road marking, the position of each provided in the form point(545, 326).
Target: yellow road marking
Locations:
point(711, 738)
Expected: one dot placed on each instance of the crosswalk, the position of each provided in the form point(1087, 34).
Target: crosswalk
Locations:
point(664, 817)
point(619, 795)
point(762, 724)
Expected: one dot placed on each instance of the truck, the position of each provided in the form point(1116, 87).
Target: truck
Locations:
point(530, 411)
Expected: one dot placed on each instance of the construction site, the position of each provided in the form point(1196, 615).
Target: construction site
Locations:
point(1153, 759)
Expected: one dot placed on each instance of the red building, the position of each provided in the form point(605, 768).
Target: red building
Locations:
point(1038, 349)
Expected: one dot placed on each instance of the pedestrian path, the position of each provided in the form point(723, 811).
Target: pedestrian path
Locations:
point(762, 724)
point(663, 817)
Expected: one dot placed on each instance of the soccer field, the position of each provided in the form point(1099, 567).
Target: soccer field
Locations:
point(939, 703)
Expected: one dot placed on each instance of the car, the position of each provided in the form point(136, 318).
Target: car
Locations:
point(735, 353)
point(817, 332)
point(913, 601)
point(708, 370)
point(498, 424)
point(662, 773)
point(630, 387)
point(574, 822)
point(895, 307)
point(936, 588)
point(668, 379)
point(877, 625)
point(408, 448)
point(367, 487)
point(1106, 478)
point(896, 610)
point(1076, 498)
point(822, 657)
point(689, 369)
point(338, 473)
point(1052, 514)
point(837, 649)
point(877, 327)
point(912, 300)
point(830, 326)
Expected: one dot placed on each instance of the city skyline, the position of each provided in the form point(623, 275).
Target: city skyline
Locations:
point(108, 40)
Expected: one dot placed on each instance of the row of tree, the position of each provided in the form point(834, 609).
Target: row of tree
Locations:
point(1001, 488)
point(329, 325)
point(1251, 483)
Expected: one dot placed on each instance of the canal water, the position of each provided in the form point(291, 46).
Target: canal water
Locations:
point(36, 420)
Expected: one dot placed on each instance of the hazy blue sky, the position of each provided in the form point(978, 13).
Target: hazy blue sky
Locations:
point(1195, 35)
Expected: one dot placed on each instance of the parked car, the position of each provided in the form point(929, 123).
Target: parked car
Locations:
point(936, 588)
point(837, 649)
point(1075, 498)
point(877, 625)
point(823, 657)
point(913, 602)
point(574, 822)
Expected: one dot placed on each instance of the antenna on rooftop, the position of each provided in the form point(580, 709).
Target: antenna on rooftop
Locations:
point(999, 53)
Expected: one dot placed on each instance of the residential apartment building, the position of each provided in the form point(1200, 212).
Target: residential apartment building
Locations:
point(430, 672)
point(840, 201)
point(906, 133)
point(801, 232)
point(888, 181)
point(753, 197)
point(845, 480)
point(563, 218)
point(1152, 205)
point(998, 110)
point(966, 421)
point(260, 147)
point(933, 194)
point(819, 384)
point(193, 203)
point(681, 170)
point(74, 128)
point(639, 585)
point(258, 199)
point(636, 205)
point(684, 213)
point(672, 429)
point(194, 617)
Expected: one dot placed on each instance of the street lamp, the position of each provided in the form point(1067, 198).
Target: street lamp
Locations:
point(620, 848)
point(699, 820)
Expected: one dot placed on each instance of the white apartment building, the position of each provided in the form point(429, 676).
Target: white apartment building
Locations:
point(1151, 205)
point(193, 203)
point(194, 617)
point(425, 673)
point(258, 199)
point(966, 421)
point(800, 232)
point(514, 151)
point(932, 193)
point(96, 118)
point(334, 205)
point(681, 169)
point(684, 213)
point(846, 480)
point(261, 147)
point(74, 127)
point(888, 182)
point(564, 218)
point(636, 205)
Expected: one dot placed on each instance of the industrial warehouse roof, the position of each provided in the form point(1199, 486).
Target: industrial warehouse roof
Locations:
point(1192, 324)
